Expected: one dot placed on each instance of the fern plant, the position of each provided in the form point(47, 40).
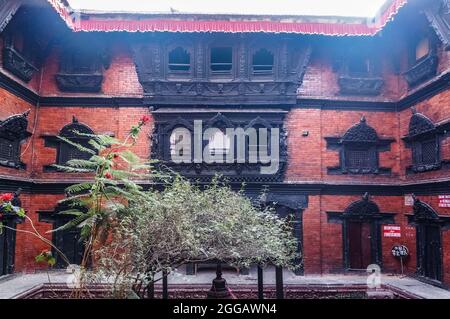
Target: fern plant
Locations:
point(99, 202)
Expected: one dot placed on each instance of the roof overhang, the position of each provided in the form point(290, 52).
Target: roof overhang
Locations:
point(188, 23)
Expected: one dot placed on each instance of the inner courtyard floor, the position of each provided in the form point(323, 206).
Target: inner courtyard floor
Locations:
point(13, 286)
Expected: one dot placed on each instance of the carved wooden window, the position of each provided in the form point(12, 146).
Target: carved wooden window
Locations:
point(419, 51)
point(423, 60)
point(262, 62)
point(180, 143)
point(68, 152)
point(422, 49)
point(221, 60)
point(425, 152)
point(9, 150)
point(80, 61)
point(12, 131)
point(21, 54)
point(219, 143)
point(359, 148)
point(220, 150)
point(424, 141)
point(179, 60)
point(81, 65)
point(360, 66)
point(359, 71)
point(360, 158)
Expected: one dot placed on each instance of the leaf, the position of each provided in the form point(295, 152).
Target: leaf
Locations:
point(77, 146)
point(78, 188)
point(51, 261)
point(74, 222)
point(74, 212)
point(80, 163)
point(73, 169)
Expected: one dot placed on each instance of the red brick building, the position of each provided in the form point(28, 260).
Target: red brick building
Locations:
point(363, 107)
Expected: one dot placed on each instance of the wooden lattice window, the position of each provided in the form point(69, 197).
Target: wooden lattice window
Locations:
point(359, 158)
point(359, 148)
point(12, 131)
point(9, 149)
point(425, 152)
point(424, 141)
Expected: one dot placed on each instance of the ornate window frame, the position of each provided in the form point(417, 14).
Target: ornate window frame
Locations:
point(425, 68)
point(166, 120)
point(63, 149)
point(359, 137)
point(368, 83)
point(422, 130)
point(70, 78)
point(239, 87)
point(13, 130)
point(168, 47)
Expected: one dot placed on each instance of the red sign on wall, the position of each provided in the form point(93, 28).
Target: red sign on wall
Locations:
point(444, 200)
point(392, 231)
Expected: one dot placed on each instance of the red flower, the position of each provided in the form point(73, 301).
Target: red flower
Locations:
point(108, 175)
point(145, 119)
point(116, 156)
point(7, 197)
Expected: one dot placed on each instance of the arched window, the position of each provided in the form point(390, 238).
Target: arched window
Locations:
point(219, 143)
point(262, 62)
point(424, 142)
point(359, 150)
point(12, 131)
point(179, 60)
point(66, 151)
point(180, 145)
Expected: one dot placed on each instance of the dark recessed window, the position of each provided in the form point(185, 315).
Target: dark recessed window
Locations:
point(67, 151)
point(262, 62)
point(221, 60)
point(425, 152)
point(179, 60)
point(359, 158)
point(359, 66)
point(9, 150)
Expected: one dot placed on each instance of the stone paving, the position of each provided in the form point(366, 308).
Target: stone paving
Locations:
point(13, 285)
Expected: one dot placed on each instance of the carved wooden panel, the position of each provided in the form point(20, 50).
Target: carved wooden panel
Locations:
point(81, 66)
point(235, 82)
point(167, 120)
point(13, 131)
point(358, 149)
point(66, 152)
point(424, 141)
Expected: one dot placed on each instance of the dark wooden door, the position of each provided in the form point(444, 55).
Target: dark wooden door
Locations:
point(432, 259)
point(3, 253)
point(68, 241)
point(7, 247)
point(359, 245)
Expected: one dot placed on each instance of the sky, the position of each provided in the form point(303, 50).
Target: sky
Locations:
point(354, 8)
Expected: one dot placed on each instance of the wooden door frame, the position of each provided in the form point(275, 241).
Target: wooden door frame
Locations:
point(375, 242)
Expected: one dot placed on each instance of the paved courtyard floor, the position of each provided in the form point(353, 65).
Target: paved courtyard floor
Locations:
point(16, 284)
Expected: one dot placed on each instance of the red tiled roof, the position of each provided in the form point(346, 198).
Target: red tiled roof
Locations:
point(178, 25)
